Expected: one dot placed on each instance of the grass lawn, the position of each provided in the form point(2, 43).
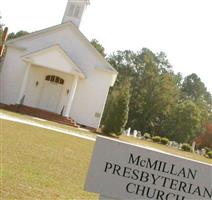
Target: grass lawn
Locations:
point(42, 164)
point(39, 164)
point(48, 123)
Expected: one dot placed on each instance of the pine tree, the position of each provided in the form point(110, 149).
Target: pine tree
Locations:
point(117, 113)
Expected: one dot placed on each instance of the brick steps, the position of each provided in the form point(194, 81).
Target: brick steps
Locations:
point(35, 112)
point(2, 105)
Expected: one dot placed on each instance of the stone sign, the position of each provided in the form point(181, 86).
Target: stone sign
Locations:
point(119, 170)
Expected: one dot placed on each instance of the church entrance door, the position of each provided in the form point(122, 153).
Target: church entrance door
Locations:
point(50, 96)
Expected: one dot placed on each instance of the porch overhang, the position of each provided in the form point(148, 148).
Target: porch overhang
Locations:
point(55, 58)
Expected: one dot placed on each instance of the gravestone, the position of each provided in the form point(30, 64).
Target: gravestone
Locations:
point(193, 146)
point(135, 133)
point(203, 152)
point(198, 151)
point(175, 144)
point(120, 171)
point(128, 131)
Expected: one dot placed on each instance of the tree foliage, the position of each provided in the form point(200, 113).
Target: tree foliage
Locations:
point(98, 47)
point(184, 122)
point(1, 29)
point(205, 138)
point(153, 88)
point(193, 88)
point(159, 101)
point(117, 110)
point(16, 35)
point(153, 95)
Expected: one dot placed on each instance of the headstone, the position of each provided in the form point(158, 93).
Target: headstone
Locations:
point(128, 131)
point(175, 144)
point(203, 151)
point(198, 151)
point(135, 133)
point(193, 146)
point(120, 170)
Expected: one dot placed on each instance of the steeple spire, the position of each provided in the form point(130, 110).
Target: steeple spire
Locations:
point(74, 11)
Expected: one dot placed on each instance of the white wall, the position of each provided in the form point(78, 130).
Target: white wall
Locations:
point(91, 93)
point(90, 99)
point(12, 76)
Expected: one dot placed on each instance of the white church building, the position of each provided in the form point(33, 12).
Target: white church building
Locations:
point(58, 70)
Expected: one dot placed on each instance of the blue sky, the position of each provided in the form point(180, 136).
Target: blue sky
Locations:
point(180, 28)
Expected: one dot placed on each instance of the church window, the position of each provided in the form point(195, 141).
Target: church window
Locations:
point(71, 10)
point(76, 11)
point(47, 78)
point(61, 81)
point(57, 79)
point(54, 79)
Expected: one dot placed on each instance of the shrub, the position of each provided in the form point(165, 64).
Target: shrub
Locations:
point(117, 111)
point(156, 139)
point(147, 136)
point(209, 154)
point(186, 147)
point(207, 149)
point(164, 140)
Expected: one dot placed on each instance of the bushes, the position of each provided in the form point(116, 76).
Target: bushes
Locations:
point(147, 136)
point(164, 140)
point(209, 154)
point(156, 139)
point(186, 147)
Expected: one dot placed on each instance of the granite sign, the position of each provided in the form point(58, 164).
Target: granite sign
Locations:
point(120, 170)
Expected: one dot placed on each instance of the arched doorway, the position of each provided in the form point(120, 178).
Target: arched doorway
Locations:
point(51, 93)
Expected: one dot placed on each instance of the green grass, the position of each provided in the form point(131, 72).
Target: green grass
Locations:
point(39, 164)
point(48, 123)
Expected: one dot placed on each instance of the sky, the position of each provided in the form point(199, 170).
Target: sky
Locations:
point(180, 28)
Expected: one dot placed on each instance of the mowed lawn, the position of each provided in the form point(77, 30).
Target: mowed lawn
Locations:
point(41, 164)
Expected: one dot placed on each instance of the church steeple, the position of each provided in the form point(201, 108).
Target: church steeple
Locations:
point(74, 11)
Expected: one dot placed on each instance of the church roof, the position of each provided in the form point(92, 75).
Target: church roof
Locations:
point(58, 55)
point(107, 67)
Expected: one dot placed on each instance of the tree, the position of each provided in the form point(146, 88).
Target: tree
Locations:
point(16, 35)
point(194, 89)
point(154, 92)
point(153, 88)
point(117, 110)
point(3, 33)
point(1, 29)
point(98, 46)
point(205, 138)
point(184, 122)
point(155, 101)
point(158, 94)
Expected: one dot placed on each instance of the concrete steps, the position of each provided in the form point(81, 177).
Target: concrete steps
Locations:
point(43, 114)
